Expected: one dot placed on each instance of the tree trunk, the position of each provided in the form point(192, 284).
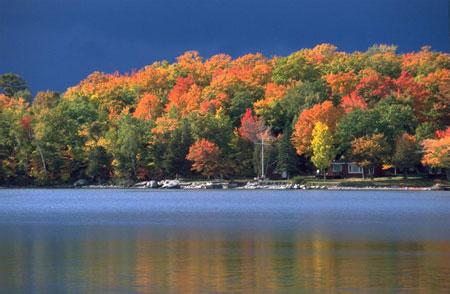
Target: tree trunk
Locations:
point(447, 173)
point(324, 175)
point(133, 165)
point(44, 166)
point(405, 173)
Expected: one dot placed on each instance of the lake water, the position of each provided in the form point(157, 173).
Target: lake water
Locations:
point(142, 241)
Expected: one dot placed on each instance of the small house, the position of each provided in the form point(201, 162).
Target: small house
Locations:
point(343, 169)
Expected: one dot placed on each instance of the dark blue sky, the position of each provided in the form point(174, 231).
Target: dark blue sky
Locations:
point(55, 43)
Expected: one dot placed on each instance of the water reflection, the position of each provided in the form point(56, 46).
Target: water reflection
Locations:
point(88, 259)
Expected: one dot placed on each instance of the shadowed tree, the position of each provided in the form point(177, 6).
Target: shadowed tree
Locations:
point(14, 85)
point(406, 154)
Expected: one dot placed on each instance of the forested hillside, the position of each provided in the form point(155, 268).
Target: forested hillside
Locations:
point(209, 117)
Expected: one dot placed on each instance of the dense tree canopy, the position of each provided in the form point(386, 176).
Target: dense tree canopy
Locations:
point(201, 116)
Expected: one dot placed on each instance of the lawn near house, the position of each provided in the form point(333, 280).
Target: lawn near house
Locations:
point(398, 181)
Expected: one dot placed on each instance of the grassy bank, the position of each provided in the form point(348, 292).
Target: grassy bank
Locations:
point(377, 182)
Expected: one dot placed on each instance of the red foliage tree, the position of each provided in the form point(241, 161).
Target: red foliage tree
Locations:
point(252, 128)
point(352, 101)
point(442, 134)
point(205, 157)
point(407, 89)
point(373, 86)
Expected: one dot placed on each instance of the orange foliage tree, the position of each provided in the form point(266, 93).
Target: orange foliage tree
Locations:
point(157, 79)
point(325, 113)
point(272, 94)
point(438, 104)
point(149, 107)
point(342, 83)
point(437, 151)
point(321, 53)
point(369, 151)
point(184, 97)
point(425, 61)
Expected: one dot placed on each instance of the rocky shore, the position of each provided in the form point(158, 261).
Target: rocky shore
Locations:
point(252, 185)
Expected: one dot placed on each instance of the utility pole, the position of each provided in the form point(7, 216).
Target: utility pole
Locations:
point(262, 157)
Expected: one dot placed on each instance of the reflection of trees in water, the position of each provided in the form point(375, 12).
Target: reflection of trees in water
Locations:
point(142, 260)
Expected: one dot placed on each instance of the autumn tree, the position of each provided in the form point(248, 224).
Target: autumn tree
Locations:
point(149, 107)
point(373, 86)
point(383, 59)
point(269, 107)
point(437, 152)
point(325, 113)
point(369, 151)
point(425, 61)
point(15, 139)
point(191, 63)
point(113, 93)
point(254, 130)
point(322, 147)
point(184, 97)
point(342, 83)
point(205, 157)
point(407, 89)
point(406, 153)
point(297, 97)
point(437, 106)
point(352, 101)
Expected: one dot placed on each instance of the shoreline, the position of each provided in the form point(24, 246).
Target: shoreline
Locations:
point(211, 185)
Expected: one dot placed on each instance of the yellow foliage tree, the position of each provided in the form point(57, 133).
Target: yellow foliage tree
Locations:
point(322, 147)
